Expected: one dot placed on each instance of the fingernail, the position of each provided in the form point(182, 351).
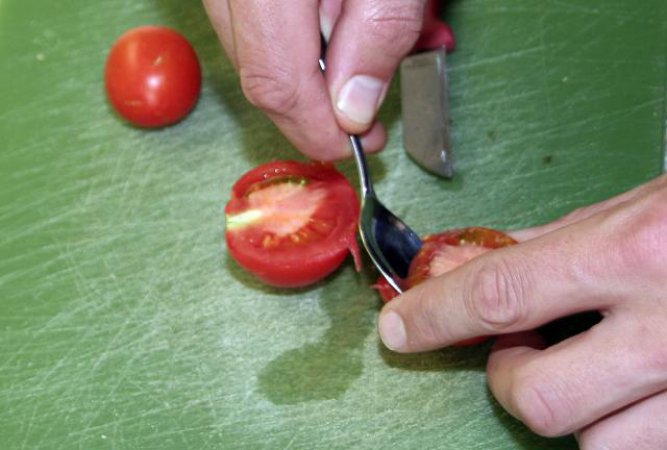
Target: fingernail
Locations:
point(359, 98)
point(329, 12)
point(392, 330)
point(326, 25)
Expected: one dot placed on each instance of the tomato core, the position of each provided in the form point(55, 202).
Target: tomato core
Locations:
point(282, 208)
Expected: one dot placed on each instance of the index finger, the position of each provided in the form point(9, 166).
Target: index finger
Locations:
point(277, 50)
point(507, 290)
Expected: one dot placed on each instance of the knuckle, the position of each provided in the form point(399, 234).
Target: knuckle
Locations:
point(496, 297)
point(397, 23)
point(646, 349)
point(645, 235)
point(273, 91)
point(540, 406)
point(656, 359)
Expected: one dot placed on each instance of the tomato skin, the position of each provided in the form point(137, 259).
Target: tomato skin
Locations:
point(424, 265)
point(290, 264)
point(435, 33)
point(152, 76)
point(386, 291)
point(325, 172)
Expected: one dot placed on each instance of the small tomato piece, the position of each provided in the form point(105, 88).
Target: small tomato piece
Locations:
point(291, 223)
point(152, 76)
point(446, 251)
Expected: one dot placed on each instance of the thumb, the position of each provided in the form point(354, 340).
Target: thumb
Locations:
point(367, 44)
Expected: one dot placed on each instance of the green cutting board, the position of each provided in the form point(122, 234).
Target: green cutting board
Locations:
point(125, 324)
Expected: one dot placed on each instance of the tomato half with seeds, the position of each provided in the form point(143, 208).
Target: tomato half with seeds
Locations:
point(292, 223)
point(446, 251)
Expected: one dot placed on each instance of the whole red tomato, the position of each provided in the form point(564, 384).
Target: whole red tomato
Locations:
point(152, 76)
point(291, 223)
point(446, 251)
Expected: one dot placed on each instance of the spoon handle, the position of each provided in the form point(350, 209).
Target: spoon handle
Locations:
point(362, 167)
point(359, 156)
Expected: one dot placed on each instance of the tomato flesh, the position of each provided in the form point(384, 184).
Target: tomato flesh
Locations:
point(152, 76)
point(291, 223)
point(446, 251)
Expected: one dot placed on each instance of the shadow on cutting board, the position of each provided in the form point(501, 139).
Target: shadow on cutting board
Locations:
point(326, 369)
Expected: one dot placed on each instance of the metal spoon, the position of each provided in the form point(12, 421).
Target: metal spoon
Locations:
point(390, 243)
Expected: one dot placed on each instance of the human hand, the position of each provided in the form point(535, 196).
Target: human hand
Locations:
point(608, 384)
point(275, 47)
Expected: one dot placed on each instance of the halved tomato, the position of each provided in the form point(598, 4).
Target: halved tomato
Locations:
point(292, 223)
point(446, 251)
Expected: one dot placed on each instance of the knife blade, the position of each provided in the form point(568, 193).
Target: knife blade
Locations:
point(425, 111)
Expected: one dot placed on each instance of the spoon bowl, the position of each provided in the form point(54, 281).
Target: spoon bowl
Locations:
point(390, 242)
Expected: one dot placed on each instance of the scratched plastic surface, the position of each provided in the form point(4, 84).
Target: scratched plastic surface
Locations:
point(123, 322)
